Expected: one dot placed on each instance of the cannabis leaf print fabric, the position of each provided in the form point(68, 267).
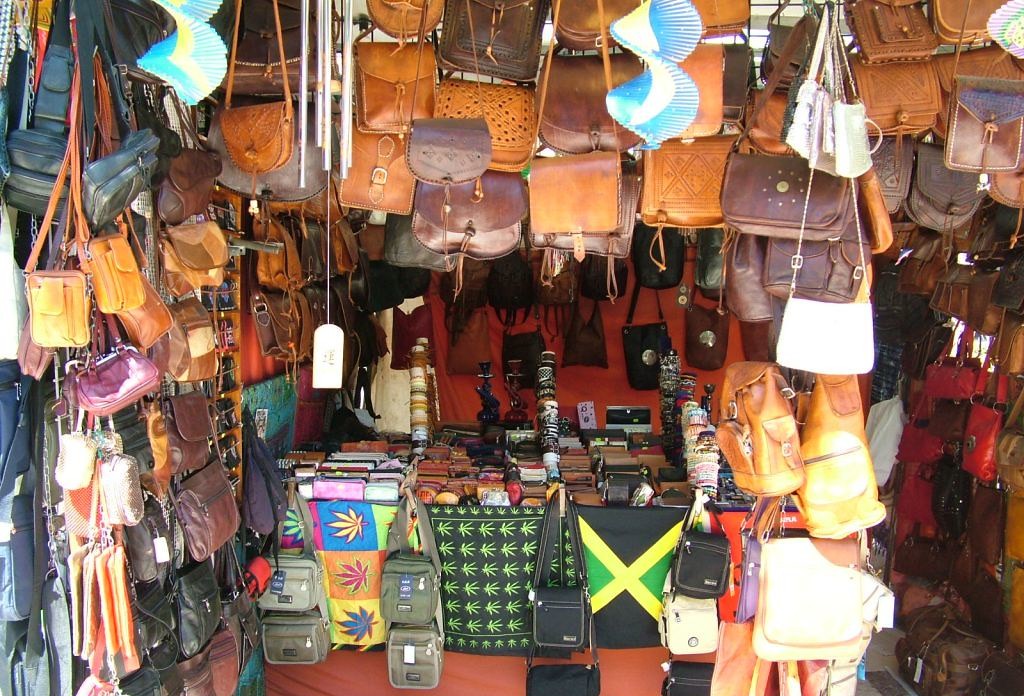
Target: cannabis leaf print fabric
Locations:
point(488, 556)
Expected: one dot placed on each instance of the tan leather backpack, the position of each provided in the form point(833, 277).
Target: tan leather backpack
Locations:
point(757, 432)
point(839, 495)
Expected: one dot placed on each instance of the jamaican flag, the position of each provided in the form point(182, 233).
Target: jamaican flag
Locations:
point(628, 552)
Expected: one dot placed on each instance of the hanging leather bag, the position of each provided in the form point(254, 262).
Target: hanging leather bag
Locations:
point(744, 268)
point(579, 22)
point(707, 336)
point(584, 340)
point(940, 198)
point(206, 507)
point(723, 18)
point(831, 270)
point(194, 256)
point(986, 125)
point(642, 345)
point(189, 428)
point(258, 138)
point(893, 163)
point(508, 110)
point(283, 270)
point(387, 81)
point(402, 19)
point(962, 22)
point(683, 180)
point(951, 496)
point(659, 255)
point(1009, 290)
point(757, 432)
point(983, 426)
point(402, 249)
point(198, 603)
point(186, 189)
point(189, 349)
point(900, 98)
point(891, 30)
point(497, 39)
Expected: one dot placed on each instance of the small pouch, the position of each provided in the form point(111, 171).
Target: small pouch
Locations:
point(76, 459)
point(59, 306)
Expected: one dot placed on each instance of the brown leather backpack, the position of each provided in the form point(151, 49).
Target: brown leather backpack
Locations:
point(758, 433)
point(840, 495)
point(283, 270)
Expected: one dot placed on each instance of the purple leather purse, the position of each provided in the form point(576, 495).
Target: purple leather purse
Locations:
point(106, 385)
point(325, 488)
point(761, 518)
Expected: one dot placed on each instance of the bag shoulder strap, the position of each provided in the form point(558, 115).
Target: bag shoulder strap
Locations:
point(280, 50)
point(398, 541)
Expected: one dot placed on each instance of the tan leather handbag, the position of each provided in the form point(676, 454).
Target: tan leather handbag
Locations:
point(283, 270)
point(402, 19)
point(682, 183)
point(757, 432)
point(840, 495)
point(508, 109)
point(901, 98)
point(379, 178)
point(966, 20)
point(146, 324)
point(388, 80)
point(723, 17)
point(890, 30)
point(194, 256)
point(706, 65)
point(810, 604)
point(116, 279)
point(190, 346)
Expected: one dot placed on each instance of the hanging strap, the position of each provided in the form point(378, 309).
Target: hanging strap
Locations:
point(632, 304)
point(281, 54)
point(398, 540)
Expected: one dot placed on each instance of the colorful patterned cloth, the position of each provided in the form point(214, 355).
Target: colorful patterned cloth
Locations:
point(351, 541)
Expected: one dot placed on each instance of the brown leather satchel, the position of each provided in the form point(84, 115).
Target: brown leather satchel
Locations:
point(579, 24)
point(145, 325)
point(682, 183)
point(207, 510)
point(583, 203)
point(194, 256)
point(481, 220)
point(283, 270)
point(738, 79)
point(448, 151)
point(940, 198)
point(307, 324)
point(766, 125)
point(509, 112)
point(831, 270)
point(388, 79)
point(890, 30)
point(894, 166)
point(707, 336)
point(920, 272)
point(189, 429)
point(584, 339)
point(186, 189)
point(902, 98)
point(470, 346)
point(258, 138)
point(402, 18)
point(840, 495)
point(744, 270)
point(971, 16)
point(706, 66)
point(757, 432)
point(189, 347)
point(575, 118)
point(493, 37)
point(277, 325)
point(723, 17)
point(988, 61)
point(982, 315)
point(950, 295)
point(257, 60)
point(986, 125)
point(379, 178)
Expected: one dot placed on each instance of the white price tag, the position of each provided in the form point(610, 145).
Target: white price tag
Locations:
point(918, 670)
point(160, 550)
point(886, 612)
point(409, 655)
point(666, 666)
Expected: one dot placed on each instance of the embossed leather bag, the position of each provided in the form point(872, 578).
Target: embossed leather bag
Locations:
point(402, 18)
point(986, 125)
point(447, 151)
point(757, 431)
point(388, 79)
point(575, 119)
point(579, 23)
point(971, 16)
point(493, 37)
point(940, 198)
point(207, 510)
point(891, 30)
point(258, 138)
point(379, 178)
point(194, 256)
point(186, 189)
point(187, 419)
point(508, 110)
point(480, 219)
point(901, 98)
point(682, 184)
point(583, 203)
point(894, 167)
point(780, 185)
point(989, 61)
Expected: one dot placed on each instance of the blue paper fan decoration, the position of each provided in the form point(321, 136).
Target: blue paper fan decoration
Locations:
point(196, 9)
point(658, 104)
point(193, 60)
point(1006, 27)
point(669, 29)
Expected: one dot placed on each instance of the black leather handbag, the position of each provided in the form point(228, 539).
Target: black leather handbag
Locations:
point(658, 256)
point(595, 283)
point(643, 345)
point(141, 541)
point(526, 347)
point(702, 564)
point(110, 184)
point(198, 600)
point(951, 496)
point(155, 627)
point(688, 679)
point(142, 682)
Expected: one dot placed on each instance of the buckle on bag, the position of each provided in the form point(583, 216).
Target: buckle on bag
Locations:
point(379, 176)
point(796, 262)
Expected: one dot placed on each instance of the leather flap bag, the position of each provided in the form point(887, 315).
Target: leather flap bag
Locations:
point(940, 198)
point(893, 162)
point(198, 600)
point(187, 187)
point(480, 219)
point(577, 196)
point(189, 349)
point(810, 605)
point(207, 510)
point(889, 31)
point(579, 23)
point(784, 39)
point(258, 138)
point(986, 125)
point(659, 255)
point(900, 98)
point(989, 61)
point(116, 279)
point(781, 184)
point(682, 183)
point(739, 71)
point(831, 270)
point(706, 66)
point(957, 21)
point(575, 118)
point(194, 256)
point(379, 178)
point(282, 270)
point(493, 37)
point(401, 248)
point(982, 315)
point(402, 20)
point(188, 431)
point(642, 345)
point(388, 79)
point(448, 151)
point(950, 296)
point(508, 109)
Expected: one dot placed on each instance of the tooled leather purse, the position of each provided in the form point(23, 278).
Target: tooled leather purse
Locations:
point(940, 198)
point(989, 61)
point(509, 111)
point(985, 125)
point(682, 183)
point(379, 178)
point(893, 163)
point(891, 30)
point(493, 37)
point(481, 219)
point(901, 98)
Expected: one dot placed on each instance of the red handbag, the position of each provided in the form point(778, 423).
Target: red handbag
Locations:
point(405, 330)
point(914, 502)
point(983, 426)
point(953, 378)
point(916, 443)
